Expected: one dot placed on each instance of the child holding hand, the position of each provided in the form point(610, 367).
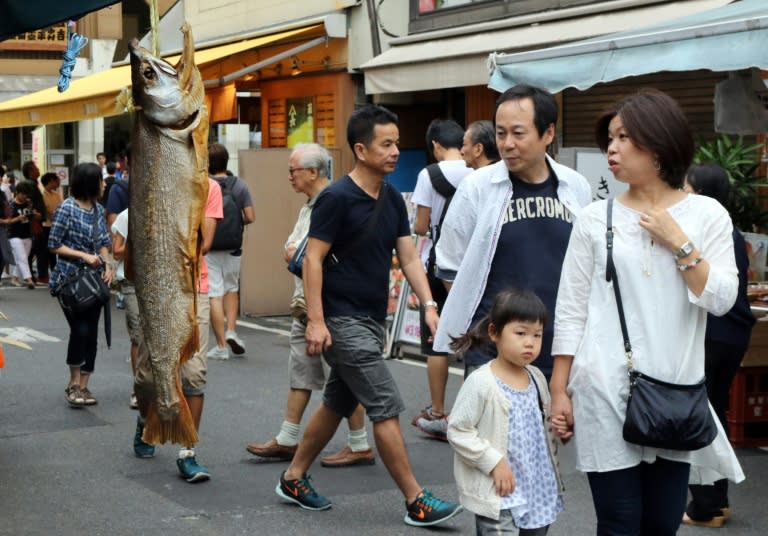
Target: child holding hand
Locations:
point(505, 446)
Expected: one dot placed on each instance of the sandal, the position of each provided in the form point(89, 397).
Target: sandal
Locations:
point(74, 396)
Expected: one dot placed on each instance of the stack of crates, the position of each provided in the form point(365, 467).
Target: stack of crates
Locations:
point(748, 409)
point(748, 405)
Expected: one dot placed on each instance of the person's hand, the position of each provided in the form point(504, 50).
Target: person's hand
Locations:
point(318, 337)
point(503, 479)
point(92, 260)
point(663, 228)
point(108, 273)
point(562, 415)
point(431, 318)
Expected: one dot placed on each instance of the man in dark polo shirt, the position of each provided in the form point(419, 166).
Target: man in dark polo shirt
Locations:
point(355, 225)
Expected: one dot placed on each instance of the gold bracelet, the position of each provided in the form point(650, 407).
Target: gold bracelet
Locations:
point(684, 267)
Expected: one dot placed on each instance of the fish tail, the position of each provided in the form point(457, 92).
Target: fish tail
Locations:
point(181, 430)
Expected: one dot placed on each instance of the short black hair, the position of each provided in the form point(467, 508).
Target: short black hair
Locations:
point(85, 184)
point(48, 177)
point(362, 122)
point(482, 132)
point(544, 104)
point(218, 158)
point(446, 132)
point(111, 167)
point(711, 180)
point(656, 123)
point(25, 187)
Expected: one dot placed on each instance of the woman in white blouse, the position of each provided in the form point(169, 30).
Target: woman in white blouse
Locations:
point(674, 260)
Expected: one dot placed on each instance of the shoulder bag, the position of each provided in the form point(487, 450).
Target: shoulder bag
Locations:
point(659, 414)
point(296, 263)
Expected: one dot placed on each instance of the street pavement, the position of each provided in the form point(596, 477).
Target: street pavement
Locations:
point(70, 471)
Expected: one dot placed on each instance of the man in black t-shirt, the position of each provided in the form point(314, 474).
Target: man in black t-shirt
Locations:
point(355, 225)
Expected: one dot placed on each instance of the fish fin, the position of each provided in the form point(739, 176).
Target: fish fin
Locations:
point(192, 344)
point(200, 141)
point(180, 430)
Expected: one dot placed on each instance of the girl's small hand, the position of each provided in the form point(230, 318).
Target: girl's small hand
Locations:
point(503, 478)
point(561, 428)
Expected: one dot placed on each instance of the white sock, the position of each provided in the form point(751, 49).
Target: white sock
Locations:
point(186, 453)
point(289, 434)
point(358, 440)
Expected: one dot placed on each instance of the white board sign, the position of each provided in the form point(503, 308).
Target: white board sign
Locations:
point(593, 164)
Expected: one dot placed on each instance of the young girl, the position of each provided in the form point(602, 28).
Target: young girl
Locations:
point(505, 463)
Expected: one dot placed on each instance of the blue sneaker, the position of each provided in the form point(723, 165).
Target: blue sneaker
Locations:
point(301, 492)
point(192, 471)
point(428, 510)
point(141, 449)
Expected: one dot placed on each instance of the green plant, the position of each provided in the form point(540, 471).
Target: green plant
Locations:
point(746, 202)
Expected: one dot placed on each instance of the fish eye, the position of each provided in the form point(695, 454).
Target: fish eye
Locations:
point(149, 74)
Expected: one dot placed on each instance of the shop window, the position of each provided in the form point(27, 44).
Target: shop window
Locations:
point(61, 136)
point(301, 120)
point(427, 15)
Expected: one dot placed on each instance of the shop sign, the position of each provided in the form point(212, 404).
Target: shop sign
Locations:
point(51, 38)
point(300, 121)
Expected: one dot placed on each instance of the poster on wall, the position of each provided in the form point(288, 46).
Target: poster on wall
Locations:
point(300, 121)
point(38, 148)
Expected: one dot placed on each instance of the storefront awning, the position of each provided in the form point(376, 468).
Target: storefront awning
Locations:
point(96, 95)
point(727, 38)
point(459, 57)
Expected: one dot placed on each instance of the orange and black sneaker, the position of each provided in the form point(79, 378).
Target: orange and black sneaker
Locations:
point(301, 492)
point(427, 510)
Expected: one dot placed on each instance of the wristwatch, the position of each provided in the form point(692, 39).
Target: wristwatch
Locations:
point(430, 303)
point(685, 250)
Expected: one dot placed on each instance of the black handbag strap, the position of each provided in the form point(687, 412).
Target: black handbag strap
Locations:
point(610, 275)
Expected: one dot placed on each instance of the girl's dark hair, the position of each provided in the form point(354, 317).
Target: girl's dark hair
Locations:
point(511, 305)
point(86, 182)
point(710, 180)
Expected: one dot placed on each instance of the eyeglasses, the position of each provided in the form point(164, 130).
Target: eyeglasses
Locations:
point(292, 170)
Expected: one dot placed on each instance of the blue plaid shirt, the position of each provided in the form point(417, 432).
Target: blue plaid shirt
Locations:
point(72, 226)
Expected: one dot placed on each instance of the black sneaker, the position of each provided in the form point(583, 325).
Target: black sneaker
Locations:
point(428, 510)
point(301, 492)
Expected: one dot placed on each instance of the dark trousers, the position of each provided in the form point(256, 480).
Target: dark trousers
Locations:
point(83, 336)
point(721, 363)
point(40, 252)
point(644, 500)
point(51, 256)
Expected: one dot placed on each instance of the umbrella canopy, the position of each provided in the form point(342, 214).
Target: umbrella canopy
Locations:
point(19, 16)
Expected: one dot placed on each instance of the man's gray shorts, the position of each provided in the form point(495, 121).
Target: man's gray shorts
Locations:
point(358, 371)
point(307, 372)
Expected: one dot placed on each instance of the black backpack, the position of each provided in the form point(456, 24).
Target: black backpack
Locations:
point(445, 189)
point(229, 231)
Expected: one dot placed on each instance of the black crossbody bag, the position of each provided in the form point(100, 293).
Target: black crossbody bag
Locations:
point(659, 414)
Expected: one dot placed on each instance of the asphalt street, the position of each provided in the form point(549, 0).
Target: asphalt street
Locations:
point(70, 471)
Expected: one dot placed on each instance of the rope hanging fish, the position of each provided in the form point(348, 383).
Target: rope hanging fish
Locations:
point(75, 42)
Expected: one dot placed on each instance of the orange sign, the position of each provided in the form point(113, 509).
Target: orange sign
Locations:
point(51, 38)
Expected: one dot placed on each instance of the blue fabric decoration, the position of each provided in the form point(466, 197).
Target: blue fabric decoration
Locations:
point(74, 44)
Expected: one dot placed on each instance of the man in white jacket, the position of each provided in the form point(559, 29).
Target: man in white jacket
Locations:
point(509, 223)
